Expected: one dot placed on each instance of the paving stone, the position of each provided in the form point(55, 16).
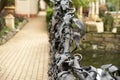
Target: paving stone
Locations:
point(26, 55)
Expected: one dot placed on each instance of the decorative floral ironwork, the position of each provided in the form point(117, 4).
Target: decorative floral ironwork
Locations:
point(64, 64)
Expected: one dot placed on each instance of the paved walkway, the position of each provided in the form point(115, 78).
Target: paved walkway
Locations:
point(25, 56)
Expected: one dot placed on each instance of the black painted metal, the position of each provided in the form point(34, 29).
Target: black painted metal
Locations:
point(64, 64)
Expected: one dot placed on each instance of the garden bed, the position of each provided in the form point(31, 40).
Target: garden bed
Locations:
point(7, 33)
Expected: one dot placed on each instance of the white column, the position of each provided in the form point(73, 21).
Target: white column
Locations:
point(97, 8)
point(93, 9)
point(90, 9)
point(81, 12)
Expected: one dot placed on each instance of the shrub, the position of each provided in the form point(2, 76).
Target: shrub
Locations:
point(4, 31)
point(18, 19)
point(102, 9)
point(108, 22)
point(2, 23)
point(49, 14)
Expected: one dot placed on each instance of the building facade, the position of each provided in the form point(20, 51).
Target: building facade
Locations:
point(28, 8)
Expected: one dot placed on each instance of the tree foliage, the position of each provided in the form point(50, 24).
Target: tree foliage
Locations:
point(78, 3)
point(47, 2)
point(2, 4)
point(114, 4)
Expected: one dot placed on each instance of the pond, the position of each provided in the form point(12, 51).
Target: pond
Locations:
point(98, 58)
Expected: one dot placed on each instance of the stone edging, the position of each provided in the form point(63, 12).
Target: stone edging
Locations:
point(107, 41)
point(9, 35)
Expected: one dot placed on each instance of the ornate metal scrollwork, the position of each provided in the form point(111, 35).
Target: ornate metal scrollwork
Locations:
point(64, 64)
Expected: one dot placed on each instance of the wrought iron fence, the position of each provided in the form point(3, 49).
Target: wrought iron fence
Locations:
point(64, 64)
